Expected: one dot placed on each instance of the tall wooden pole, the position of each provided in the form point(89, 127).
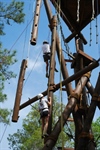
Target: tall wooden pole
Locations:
point(69, 108)
point(19, 91)
point(65, 82)
point(63, 65)
point(51, 83)
point(35, 23)
point(86, 137)
point(79, 112)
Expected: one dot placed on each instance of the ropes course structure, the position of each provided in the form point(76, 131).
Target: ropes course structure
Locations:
point(76, 14)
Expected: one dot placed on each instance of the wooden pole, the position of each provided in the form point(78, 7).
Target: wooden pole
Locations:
point(53, 26)
point(79, 112)
point(65, 114)
point(65, 82)
point(35, 23)
point(58, 46)
point(19, 91)
point(86, 137)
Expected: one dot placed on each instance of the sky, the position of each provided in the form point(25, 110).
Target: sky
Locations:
point(18, 38)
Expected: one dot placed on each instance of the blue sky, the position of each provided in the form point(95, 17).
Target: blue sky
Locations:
point(35, 81)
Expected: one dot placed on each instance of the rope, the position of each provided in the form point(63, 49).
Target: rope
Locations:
point(65, 44)
point(30, 33)
point(5, 129)
point(3, 133)
point(20, 34)
point(97, 25)
point(59, 30)
point(48, 37)
point(25, 29)
point(78, 7)
point(90, 33)
point(93, 11)
point(33, 66)
point(24, 41)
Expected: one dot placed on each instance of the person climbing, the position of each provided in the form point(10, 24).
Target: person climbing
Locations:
point(46, 56)
point(44, 105)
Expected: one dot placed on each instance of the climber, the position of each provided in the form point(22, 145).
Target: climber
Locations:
point(46, 56)
point(44, 105)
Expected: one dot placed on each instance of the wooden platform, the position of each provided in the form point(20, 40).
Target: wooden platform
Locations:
point(69, 13)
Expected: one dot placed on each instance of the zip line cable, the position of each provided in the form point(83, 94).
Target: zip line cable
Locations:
point(5, 130)
point(21, 34)
point(24, 42)
point(3, 133)
point(30, 32)
point(33, 66)
point(28, 23)
point(60, 92)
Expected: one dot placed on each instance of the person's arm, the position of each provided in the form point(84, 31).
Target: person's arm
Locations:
point(49, 101)
point(39, 108)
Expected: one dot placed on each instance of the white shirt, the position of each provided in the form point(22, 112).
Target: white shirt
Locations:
point(43, 106)
point(46, 48)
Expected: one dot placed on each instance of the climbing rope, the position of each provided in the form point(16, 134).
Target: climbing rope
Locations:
point(61, 99)
point(30, 32)
point(78, 7)
point(33, 66)
point(97, 24)
point(93, 11)
point(90, 33)
point(24, 31)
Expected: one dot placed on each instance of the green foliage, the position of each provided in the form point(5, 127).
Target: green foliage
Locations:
point(6, 60)
point(29, 138)
point(11, 12)
point(96, 132)
point(4, 115)
point(57, 111)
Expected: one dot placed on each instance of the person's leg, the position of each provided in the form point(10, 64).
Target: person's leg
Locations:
point(42, 125)
point(45, 57)
point(45, 125)
point(46, 69)
point(55, 67)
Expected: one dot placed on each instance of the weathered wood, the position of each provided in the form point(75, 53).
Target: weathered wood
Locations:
point(58, 46)
point(65, 114)
point(52, 68)
point(35, 23)
point(79, 112)
point(65, 82)
point(85, 136)
point(67, 21)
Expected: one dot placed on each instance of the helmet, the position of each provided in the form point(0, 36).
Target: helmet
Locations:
point(45, 42)
point(40, 95)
